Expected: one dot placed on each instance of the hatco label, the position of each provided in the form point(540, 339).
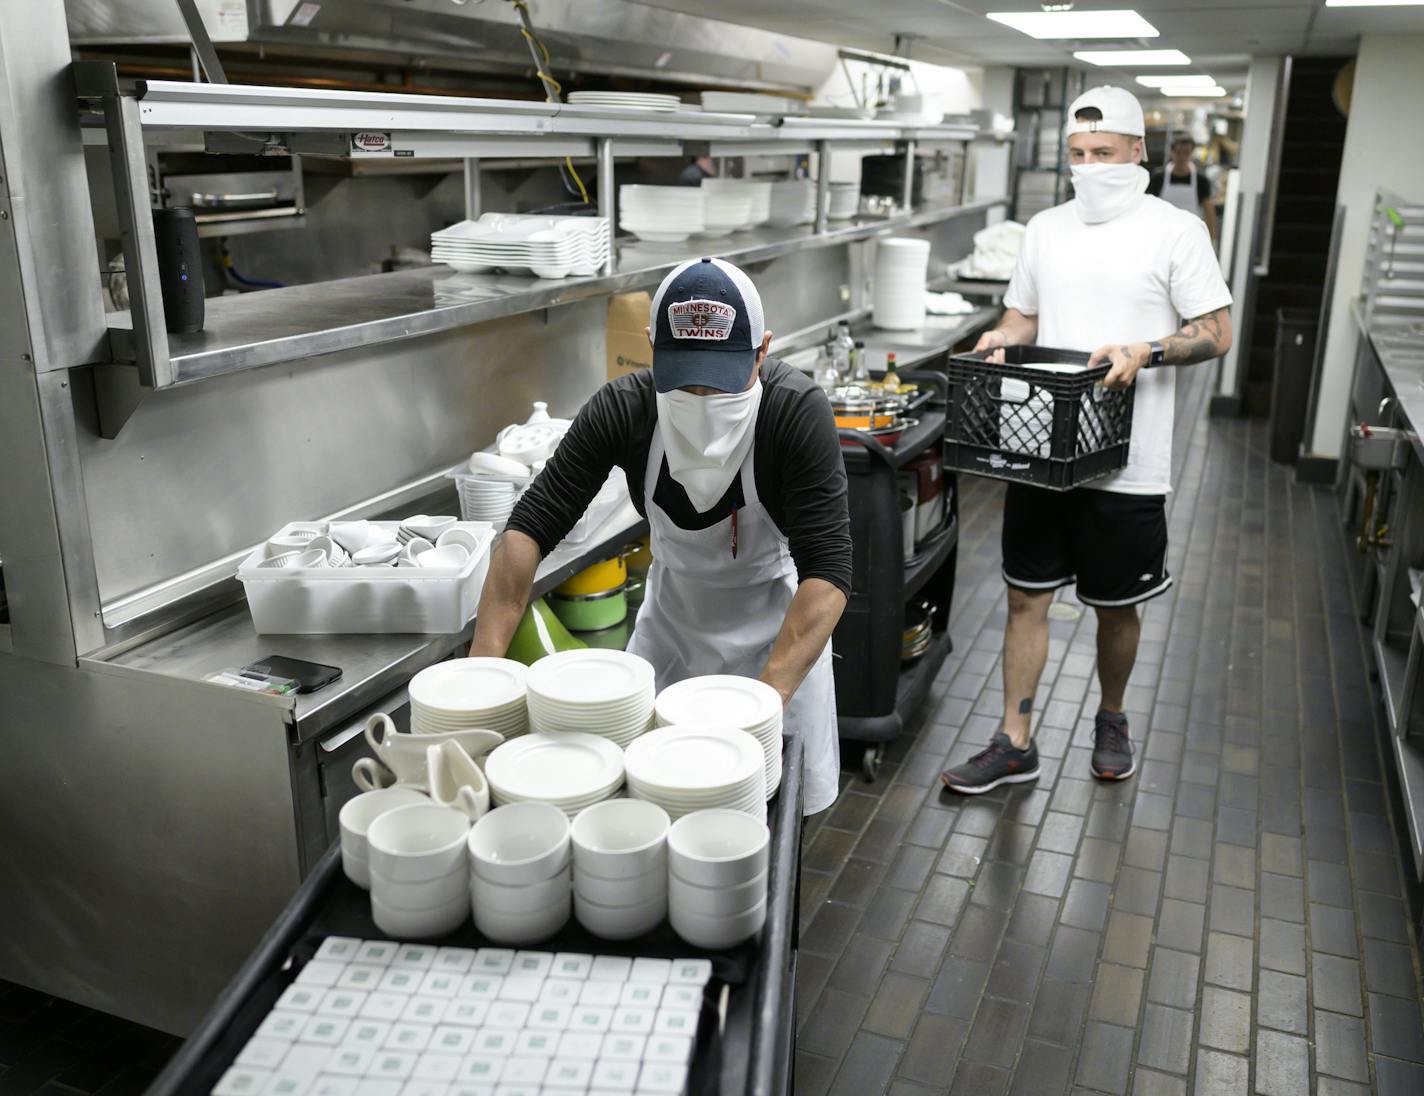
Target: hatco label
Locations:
point(370, 141)
point(998, 463)
point(699, 319)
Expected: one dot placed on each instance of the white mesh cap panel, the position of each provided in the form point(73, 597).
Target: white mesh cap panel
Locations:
point(756, 322)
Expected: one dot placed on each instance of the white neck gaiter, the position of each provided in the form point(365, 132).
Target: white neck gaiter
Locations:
point(707, 439)
point(1104, 191)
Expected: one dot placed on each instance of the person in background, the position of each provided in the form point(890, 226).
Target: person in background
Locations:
point(697, 169)
point(1185, 187)
point(734, 459)
point(1132, 279)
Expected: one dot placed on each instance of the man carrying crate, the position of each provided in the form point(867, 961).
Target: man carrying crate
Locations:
point(1133, 279)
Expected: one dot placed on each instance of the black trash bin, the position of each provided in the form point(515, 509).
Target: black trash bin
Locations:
point(1290, 386)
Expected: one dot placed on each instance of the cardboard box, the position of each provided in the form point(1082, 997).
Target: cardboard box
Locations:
point(628, 347)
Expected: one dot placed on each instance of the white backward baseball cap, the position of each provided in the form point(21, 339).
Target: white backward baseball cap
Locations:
point(1121, 112)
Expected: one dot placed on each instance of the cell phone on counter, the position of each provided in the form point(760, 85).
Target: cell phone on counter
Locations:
point(309, 676)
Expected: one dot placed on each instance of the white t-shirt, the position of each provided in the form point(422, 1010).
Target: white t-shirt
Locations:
point(1135, 278)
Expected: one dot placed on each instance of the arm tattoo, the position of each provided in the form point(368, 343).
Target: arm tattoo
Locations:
point(1197, 341)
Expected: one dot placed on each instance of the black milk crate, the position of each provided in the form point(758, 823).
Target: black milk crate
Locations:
point(1055, 430)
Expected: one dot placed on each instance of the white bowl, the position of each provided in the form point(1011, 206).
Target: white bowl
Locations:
point(715, 901)
point(626, 892)
point(356, 816)
point(414, 547)
point(522, 928)
point(408, 924)
point(286, 559)
point(452, 557)
point(497, 467)
point(351, 535)
point(520, 843)
point(424, 525)
point(620, 838)
point(291, 542)
point(416, 843)
point(620, 922)
point(529, 898)
point(719, 931)
point(718, 848)
point(335, 555)
point(461, 538)
point(414, 897)
point(376, 555)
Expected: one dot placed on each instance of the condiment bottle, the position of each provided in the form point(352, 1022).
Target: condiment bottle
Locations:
point(892, 379)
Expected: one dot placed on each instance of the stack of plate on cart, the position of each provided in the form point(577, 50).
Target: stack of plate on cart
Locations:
point(728, 206)
point(548, 247)
point(487, 693)
point(793, 202)
point(601, 692)
point(634, 99)
point(695, 768)
point(734, 192)
point(743, 702)
point(569, 770)
point(843, 201)
point(661, 214)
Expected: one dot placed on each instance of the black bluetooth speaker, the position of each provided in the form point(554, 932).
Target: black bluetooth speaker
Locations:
point(180, 268)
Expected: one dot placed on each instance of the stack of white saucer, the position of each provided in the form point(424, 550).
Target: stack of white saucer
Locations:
point(793, 202)
point(728, 206)
point(743, 702)
point(488, 693)
point(602, 692)
point(661, 214)
point(637, 100)
point(901, 265)
point(684, 769)
point(756, 193)
point(546, 246)
point(570, 771)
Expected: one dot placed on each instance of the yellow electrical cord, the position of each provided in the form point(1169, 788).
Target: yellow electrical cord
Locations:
point(552, 88)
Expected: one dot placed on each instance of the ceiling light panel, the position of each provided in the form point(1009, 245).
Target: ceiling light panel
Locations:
point(1133, 58)
point(1374, 3)
point(1193, 92)
point(1121, 23)
point(1177, 80)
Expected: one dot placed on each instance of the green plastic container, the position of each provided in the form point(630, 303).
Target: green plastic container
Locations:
point(540, 633)
point(591, 613)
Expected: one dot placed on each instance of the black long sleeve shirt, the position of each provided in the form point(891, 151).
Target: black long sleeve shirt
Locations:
point(800, 475)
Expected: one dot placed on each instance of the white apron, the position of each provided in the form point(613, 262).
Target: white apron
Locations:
point(707, 611)
point(1182, 195)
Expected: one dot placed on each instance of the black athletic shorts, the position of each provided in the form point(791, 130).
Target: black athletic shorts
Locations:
point(1113, 546)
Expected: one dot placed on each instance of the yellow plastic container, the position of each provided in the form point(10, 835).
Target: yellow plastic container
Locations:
point(608, 574)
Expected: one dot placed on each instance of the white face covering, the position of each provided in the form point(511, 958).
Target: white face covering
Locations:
point(1106, 190)
point(707, 439)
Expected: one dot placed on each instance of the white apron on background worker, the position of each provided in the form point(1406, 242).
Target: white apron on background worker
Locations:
point(1182, 195)
point(715, 601)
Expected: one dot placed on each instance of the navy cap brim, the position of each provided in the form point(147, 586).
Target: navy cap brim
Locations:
point(724, 370)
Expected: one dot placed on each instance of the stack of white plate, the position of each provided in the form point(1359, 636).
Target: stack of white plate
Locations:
point(684, 769)
point(635, 99)
point(661, 214)
point(548, 247)
point(486, 499)
point(728, 206)
point(570, 771)
point(743, 702)
point(793, 202)
point(759, 194)
point(470, 692)
point(899, 282)
point(843, 201)
point(607, 693)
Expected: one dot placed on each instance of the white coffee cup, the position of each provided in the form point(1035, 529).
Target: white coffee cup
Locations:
point(418, 843)
point(355, 819)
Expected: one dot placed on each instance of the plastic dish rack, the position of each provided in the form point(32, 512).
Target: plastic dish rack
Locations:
point(1026, 425)
point(327, 600)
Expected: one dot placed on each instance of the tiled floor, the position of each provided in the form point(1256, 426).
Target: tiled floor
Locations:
point(1227, 921)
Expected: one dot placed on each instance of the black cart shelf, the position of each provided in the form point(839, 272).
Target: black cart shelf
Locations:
point(746, 1037)
point(877, 695)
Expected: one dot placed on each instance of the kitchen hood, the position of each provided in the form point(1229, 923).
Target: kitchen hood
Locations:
point(596, 37)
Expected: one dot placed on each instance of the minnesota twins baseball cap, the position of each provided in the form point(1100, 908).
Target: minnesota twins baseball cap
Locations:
point(1121, 112)
point(707, 327)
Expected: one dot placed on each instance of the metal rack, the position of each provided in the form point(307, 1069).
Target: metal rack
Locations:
point(361, 127)
point(1393, 285)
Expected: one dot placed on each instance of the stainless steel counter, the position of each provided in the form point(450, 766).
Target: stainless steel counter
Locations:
point(1398, 343)
point(371, 665)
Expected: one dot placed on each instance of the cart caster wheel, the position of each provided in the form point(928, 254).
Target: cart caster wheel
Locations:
point(870, 761)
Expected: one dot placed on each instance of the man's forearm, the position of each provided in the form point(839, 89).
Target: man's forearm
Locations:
point(1017, 328)
point(506, 593)
point(810, 620)
point(1199, 340)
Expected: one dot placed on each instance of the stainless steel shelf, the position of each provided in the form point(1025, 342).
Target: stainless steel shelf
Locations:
point(254, 330)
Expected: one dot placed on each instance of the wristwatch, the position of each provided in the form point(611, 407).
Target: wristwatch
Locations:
point(1156, 354)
